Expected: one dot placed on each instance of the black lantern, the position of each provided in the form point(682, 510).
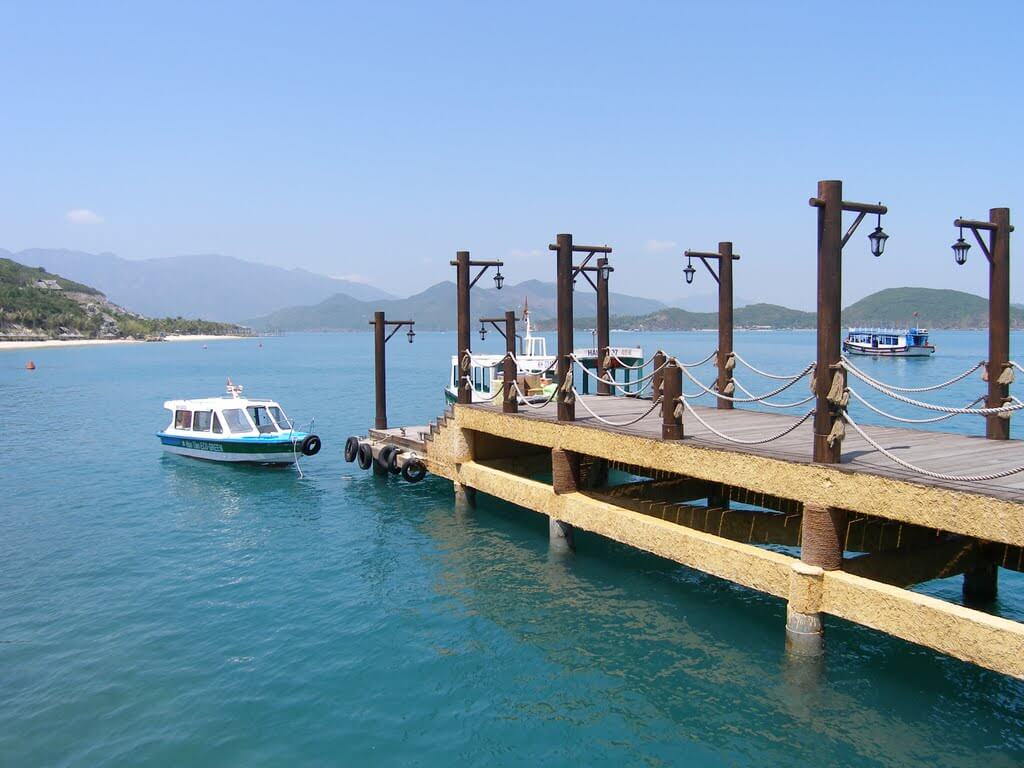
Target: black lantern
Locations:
point(605, 271)
point(499, 279)
point(483, 331)
point(688, 272)
point(960, 249)
point(878, 238)
point(410, 334)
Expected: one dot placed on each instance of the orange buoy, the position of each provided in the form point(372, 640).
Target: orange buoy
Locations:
point(30, 366)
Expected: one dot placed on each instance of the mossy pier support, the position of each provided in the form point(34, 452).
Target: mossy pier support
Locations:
point(565, 478)
point(821, 549)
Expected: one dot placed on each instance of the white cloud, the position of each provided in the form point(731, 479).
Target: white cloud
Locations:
point(519, 253)
point(657, 246)
point(83, 216)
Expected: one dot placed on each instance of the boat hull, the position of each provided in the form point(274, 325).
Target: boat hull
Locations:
point(920, 351)
point(241, 451)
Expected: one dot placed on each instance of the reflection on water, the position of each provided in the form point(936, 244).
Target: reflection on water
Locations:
point(221, 489)
point(697, 651)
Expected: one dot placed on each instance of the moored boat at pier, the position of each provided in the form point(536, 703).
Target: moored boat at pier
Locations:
point(235, 429)
point(535, 369)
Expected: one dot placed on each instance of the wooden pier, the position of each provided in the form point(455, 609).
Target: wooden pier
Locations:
point(806, 505)
point(909, 529)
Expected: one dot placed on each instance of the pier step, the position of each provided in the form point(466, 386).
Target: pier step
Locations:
point(439, 423)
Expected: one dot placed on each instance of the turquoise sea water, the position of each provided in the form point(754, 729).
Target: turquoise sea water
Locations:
point(156, 610)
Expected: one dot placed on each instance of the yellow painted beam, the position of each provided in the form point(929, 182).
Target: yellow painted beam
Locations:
point(963, 633)
point(969, 514)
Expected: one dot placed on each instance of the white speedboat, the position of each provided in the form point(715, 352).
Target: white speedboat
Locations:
point(535, 369)
point(888, 342)
point(234, 428)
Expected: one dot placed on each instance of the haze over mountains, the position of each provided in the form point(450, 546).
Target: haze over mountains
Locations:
point(266, 297)
point(434, 308)
point(213, 287)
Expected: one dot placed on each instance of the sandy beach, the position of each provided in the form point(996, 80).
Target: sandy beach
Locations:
point(58, 343)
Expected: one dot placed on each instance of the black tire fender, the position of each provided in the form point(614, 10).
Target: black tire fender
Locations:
point(386, 458)
point(311, 445)
point(351, 449)
point(365, 456)
point(414, 470)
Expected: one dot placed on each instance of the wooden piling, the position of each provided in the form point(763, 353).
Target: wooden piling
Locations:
point(725, 326)
point(603, 326)
point(997, 427)
point(672, 403)
point(566, 404)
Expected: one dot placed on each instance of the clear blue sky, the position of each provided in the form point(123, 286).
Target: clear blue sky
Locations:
point(377, 139)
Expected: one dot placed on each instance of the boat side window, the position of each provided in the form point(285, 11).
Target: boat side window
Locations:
point(235, 420)
point(201, 421)
point(217, 428)
point(261, 418)
point(280, 418)
point(183, 419)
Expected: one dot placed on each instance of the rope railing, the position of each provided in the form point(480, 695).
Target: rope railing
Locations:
point(931, 388)
point(752, 399)
point(623, 364)
point(740, 441)
point(603, 420)
point(766, 374)
point(794, 404)
point(1009, 408)
point(927, 472)
point(526, 400)
point(616, 384)
point(906, 420)
point(468, 382)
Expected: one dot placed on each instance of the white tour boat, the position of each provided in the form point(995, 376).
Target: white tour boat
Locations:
point(535, 369)
point(888, 342)
point(235, 429)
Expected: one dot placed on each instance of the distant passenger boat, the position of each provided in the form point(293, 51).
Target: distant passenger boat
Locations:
point(235, 429)
point(888, 342)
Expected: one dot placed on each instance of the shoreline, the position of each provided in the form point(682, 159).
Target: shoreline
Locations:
point(12, 346)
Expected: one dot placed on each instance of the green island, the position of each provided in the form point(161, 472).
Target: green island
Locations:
point(36, 305)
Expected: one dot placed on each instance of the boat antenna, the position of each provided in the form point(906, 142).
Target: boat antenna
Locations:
point(235, 390)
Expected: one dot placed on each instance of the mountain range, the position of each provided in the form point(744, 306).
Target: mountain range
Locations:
point(890, 307)
point(210, 286)
point(434, 308)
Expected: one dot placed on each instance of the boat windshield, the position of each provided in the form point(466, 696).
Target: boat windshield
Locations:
point(236, 421)
point(280, 418)
point(261, 418)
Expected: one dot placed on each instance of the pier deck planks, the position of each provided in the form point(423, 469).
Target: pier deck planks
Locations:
point(942, 452)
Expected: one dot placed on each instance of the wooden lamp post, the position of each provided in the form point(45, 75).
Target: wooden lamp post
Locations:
point(997, 251)
point(723, 277)
point(380, 325)
point(831, 206)
point(566, 274)
point(463, 284)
